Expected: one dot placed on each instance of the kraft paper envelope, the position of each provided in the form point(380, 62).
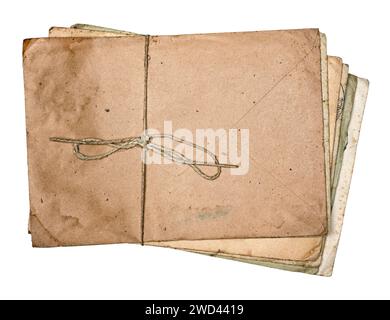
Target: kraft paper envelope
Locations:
point(103, 87)
point(273, 247)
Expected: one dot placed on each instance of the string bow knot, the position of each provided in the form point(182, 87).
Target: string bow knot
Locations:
point(145, 142)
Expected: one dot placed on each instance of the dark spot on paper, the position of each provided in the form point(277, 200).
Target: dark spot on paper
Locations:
point(242, 92)
point(70, 221)
point(196, 110)
point(107, 110)
point(107, 199)
point(84, 104)
point(161, 62)
point(254, 75)
point(41, 200)
point(253, 102)
point(40, 83)
point(290, 169)
point(250, 181)
point(165, 228)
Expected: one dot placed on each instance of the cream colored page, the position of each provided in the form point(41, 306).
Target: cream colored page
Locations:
point(304, 248)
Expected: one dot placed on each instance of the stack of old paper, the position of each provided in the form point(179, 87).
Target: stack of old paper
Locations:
point(275, 197)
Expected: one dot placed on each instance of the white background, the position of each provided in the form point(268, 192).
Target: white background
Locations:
point(358, 31)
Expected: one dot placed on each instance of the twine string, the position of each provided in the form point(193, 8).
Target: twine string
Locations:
point(146, 142)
